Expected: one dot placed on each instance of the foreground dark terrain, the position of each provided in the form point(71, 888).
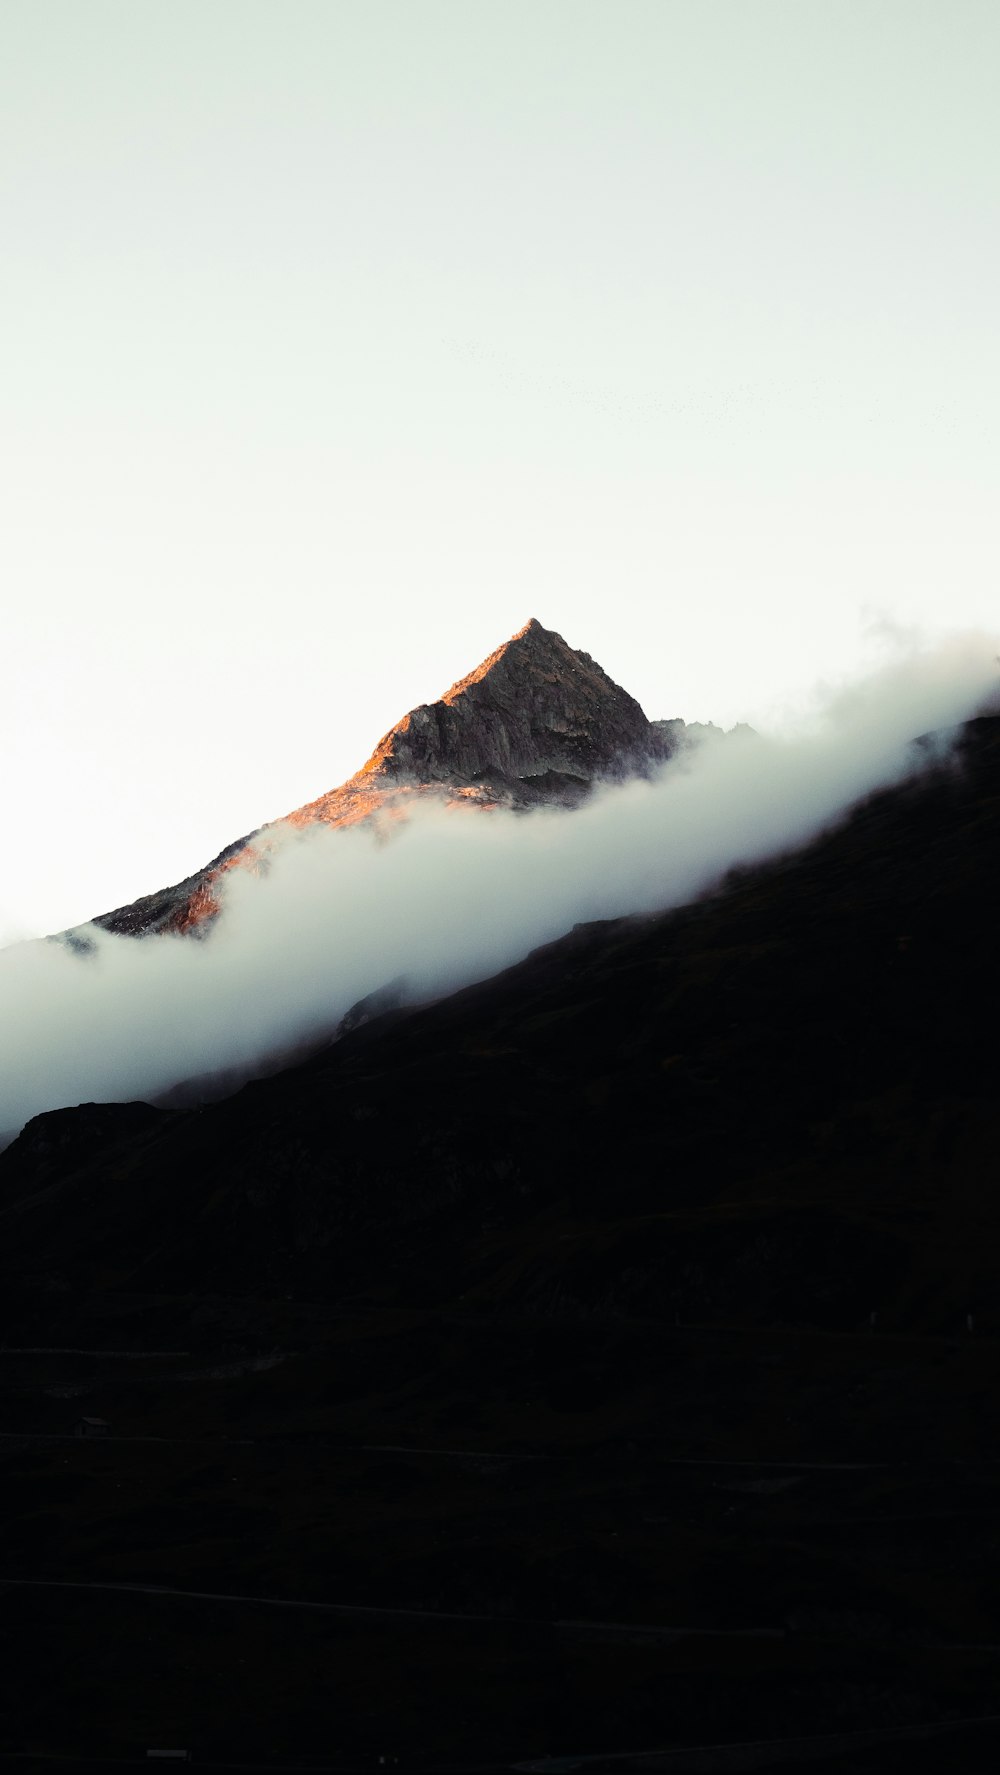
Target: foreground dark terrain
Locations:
point(603, 1361)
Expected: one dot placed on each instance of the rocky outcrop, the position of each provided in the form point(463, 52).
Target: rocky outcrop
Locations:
point(534, 720)
point(536, 724)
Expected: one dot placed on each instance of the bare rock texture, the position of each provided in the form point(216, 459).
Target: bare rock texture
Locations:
point(536, 724)
point(534, 711)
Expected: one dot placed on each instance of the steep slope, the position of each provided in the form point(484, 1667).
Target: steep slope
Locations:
point(535, 723)
point(601, 1360)
point(798, 1048)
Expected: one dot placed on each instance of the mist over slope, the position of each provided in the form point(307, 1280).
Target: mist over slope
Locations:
point(536, 724)
point(448, 896)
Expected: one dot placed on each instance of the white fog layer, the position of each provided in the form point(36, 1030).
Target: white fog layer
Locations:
point(450, 897)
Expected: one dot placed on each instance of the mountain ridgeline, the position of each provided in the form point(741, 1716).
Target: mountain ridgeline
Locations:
point(536, 724)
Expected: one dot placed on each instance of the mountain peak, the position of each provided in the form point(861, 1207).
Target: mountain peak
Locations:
point(535, 720)
point(528, 649)
point(535, 723)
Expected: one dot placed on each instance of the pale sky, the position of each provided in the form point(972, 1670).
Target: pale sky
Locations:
point(340, 337)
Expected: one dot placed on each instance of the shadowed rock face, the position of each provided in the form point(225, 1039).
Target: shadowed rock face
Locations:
point(537, 723)
point(533, 711)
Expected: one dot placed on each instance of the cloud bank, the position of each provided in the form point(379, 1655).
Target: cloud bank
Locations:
point(449, 897)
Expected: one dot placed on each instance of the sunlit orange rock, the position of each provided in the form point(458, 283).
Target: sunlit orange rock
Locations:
point(535, 724)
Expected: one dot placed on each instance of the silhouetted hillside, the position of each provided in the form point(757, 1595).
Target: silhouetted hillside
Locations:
point(631, 1319)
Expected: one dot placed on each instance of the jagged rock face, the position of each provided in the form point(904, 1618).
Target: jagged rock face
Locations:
point(534, 710)
point(537, 723)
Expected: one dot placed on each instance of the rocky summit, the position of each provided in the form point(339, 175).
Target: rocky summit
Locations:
point(537, 723)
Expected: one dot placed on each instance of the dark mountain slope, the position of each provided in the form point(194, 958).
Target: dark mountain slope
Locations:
point(798, 1072)
point(527, 1340)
